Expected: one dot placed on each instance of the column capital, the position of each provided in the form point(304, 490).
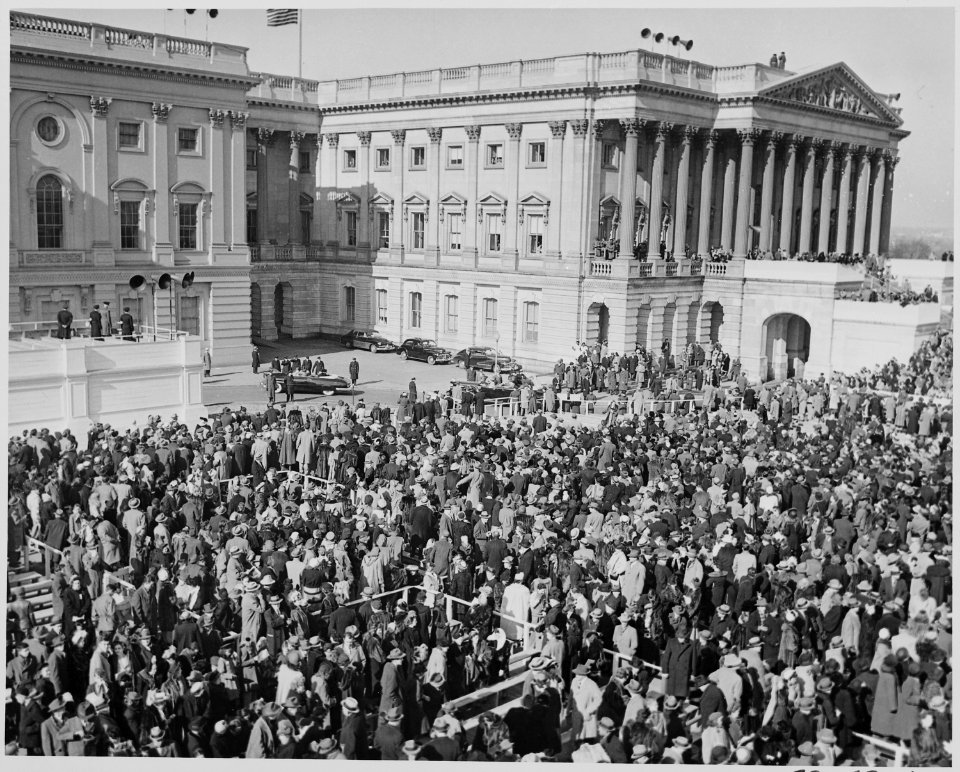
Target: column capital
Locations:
point(859, 151)
point(473, 133)
point(265, 136)
point(774, 138)
point(296, 137)
point(435, 133)
point(364, 137)
point(399, 136)
point(748, 136)
point(876, 153)
point(710, 138)
point(99, 106)
point(332, 140)
point(816, 144)
point(514, 130)
point(160, 111)
point(631, 126)
point(599, 125)
point(318, 141)
point(689, 134)
point(795, 141)
point(216, 118)
point(238, 120)
point(558, 129)
point(580, 127)
point(840, 151)
point(664, 128)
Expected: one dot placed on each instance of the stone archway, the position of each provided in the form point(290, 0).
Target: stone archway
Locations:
point(256, 318)
point(785, 344)
point(598, 323)
point(711, 316)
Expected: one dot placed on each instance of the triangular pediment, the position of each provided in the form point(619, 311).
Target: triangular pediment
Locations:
point(834, 88)
point(535, 199)
point(492, 199)
point(453, 199)
point(381, 199)
point(345, 198)
point(416, 199)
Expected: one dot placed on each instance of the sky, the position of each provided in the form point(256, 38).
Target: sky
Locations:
point(910, 50)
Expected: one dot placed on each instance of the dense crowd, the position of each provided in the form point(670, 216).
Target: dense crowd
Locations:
point(757, 580)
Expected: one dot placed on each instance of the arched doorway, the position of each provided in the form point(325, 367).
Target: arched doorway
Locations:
point(283, 309)
point(643, 327)
point(256, 320)
point(711, 320)
point(669, 322)
point(598, 323)
point(692, 333)
point(785, 345)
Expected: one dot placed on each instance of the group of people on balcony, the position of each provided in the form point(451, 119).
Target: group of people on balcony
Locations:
point(754, 582)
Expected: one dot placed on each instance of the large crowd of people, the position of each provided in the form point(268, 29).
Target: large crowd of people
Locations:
point(763, 579)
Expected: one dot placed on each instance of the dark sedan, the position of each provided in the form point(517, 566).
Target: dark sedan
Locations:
point(371, 341)
point(485, 358)
point(328, 385)
point(425, 350)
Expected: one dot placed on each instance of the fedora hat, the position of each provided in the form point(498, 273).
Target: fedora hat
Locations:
point(271, 710)
point(582, 669)
point(393, 714)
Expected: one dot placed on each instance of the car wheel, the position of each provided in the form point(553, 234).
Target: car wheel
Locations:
point(372, 348)
point(431, 360)
point(403, 354)
point(328, 392)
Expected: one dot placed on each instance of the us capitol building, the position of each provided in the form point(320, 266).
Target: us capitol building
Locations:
point(525, 204)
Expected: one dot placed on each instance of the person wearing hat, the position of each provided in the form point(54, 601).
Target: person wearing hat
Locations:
point(610, 741)
point(826, 745)
point(587, 699)
point(261, 744)
point(388, 739)
point(327, 748)
point(441, 746)
point(678, 661)
point(807, 755)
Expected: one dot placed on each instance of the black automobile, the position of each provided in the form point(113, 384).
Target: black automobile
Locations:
point(425, 350)
point(371, 341)
point(485, 358)
point(328, 385)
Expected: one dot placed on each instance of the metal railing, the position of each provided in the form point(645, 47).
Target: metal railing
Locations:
point(899, 754)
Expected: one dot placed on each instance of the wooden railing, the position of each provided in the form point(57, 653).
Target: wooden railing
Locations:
point(45, 550)
point(899, 754)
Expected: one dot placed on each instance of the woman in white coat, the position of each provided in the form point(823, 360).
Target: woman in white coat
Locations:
point(586, 696)
point(515, 604)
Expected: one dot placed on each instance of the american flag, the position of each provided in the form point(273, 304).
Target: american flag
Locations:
point(278, 18)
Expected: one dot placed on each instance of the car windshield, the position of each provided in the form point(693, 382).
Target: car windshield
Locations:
point(492, 352)
point(427, 342)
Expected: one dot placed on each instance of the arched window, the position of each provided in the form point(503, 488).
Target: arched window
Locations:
point(49, 213)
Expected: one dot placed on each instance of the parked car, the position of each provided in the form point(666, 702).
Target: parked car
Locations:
point(425, 350)
point(371, 341)
point(485, 358)
point(328, 385)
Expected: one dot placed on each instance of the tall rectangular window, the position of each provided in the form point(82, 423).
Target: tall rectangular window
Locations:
point(252, 226)
point(251, 158)
point(49, 213)
point(129, 225)
point(350, 304)
point(451, 318)
point(305, 161)
point(609, 158)
point(383, 229)
point(189, 320)
point(188, 140)
point(494, 227)
point(383, 158)
point(537, 154)
point(128, 135)
point(417, 226)
point(489, 317)
point(351, 229)
point(187, 218)
point(535, 234)
point(349, 160)
point(306, 225)
point(454, 231)
point(455, 156)
point(418, 157)
point(381, 306)
point(531, 322)
point(416, 309)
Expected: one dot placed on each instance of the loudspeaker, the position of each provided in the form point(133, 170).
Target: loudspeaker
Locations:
point(658, 38)
point(187, 280)
point(687, 44)
point(164, 281)
point(647, 32)
point(138, 283)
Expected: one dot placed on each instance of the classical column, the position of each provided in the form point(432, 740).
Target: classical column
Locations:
point(628, 186)
point(99, 106)
point(786, 211)
point(363, 171)
point(264, 140)
point(683, 175)
point(729, 191)
point(237, 213)
point(862, 184)
point(655, 215)
point(887, 209)
point(594, 173)
point(766, 189)
point(397, 236)
point(826, 198)
point(470, 227)
point(876, 204)
point(843, 155)
point(331, 227)
point(573, 240)
point(512, 168)
point(316, 231)
point(744, 211)
point(706, 194)
point(217, 180)
point(434, 238)
point(163, 238)
point(806, 205)
point(293, 188)
point(558, 130)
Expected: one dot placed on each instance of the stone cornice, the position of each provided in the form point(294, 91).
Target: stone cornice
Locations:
point(47, 275)
point(133, 69)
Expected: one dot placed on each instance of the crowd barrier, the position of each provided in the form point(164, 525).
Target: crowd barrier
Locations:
point(897, 754)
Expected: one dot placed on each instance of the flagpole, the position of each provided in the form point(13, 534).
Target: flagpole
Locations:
point(300, 46)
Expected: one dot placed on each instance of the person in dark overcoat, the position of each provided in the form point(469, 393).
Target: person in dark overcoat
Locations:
point(678, 662)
